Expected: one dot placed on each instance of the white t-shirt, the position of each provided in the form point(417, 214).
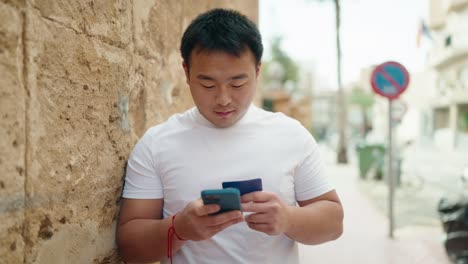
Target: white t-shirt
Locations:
point(179, 158)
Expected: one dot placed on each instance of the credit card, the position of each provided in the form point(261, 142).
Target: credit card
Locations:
point(244, 187)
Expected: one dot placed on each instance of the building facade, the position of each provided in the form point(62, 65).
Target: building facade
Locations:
point(448, 21)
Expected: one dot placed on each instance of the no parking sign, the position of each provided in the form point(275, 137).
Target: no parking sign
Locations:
point(390, 79)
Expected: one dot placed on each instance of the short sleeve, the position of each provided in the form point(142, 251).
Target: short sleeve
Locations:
point(141, 178)
point(310, 179)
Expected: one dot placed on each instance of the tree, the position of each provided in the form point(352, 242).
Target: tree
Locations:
point(342, 120)
point(278, 55)
point(342, 156)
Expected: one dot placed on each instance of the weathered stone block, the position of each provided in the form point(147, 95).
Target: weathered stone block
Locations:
point(12, 135)
point(157, 27)
point(246, 7)
point(110, 21)
point(160, 92)
point(89, 244)
point(15, 3)
point(78, 140)
point(191, 9)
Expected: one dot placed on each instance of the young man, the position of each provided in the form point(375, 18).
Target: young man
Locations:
point(225, 138)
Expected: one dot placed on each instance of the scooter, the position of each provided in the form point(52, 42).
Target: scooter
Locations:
point(453, 214)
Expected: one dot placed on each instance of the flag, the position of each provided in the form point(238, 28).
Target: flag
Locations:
point(423, 31)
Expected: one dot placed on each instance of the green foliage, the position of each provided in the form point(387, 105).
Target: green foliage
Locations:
point(290, 67)
point(464, 122)
point(361, 98)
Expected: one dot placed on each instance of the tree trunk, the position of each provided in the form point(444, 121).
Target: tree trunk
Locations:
point(342, 156)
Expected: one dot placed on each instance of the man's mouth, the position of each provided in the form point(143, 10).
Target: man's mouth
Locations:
point(224, 113)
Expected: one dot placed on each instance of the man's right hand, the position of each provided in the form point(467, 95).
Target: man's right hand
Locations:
point(196, 223)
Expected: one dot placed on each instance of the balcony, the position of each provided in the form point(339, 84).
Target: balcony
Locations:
point(437, 15)
point(439, 9)
point(457, 5)
point(442, 56)
point(460, 95)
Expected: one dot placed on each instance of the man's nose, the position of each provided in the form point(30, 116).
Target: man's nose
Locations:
point(223, 97)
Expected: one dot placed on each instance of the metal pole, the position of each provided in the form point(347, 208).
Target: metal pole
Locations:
point(390, 170)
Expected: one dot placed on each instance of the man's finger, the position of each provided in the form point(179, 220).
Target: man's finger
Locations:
point(227, 224)
point(223, 218)
point(254, 207)
point(259, 227)
point(258, 218)
point(257, 197)
point(207, 209)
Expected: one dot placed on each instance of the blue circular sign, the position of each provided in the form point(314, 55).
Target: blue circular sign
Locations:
point(390, 79)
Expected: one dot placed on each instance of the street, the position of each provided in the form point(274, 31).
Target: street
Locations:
point(365, 238)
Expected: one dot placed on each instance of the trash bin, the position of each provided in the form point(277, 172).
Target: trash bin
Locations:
point(371, 159)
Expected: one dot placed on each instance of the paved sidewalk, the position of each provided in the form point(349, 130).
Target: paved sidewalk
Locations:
point(365, 238)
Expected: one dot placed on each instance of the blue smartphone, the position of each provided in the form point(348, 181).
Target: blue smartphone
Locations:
point(248, 186)
point(228, 199)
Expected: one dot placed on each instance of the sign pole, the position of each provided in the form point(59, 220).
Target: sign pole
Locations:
point(391, 182)
point(390, 79)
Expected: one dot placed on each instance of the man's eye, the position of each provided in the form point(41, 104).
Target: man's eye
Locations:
point(238, 86)
point(208, 86)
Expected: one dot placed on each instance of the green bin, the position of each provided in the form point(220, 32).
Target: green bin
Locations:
point(371, 158)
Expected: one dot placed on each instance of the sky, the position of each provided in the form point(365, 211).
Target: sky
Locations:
point(373, 31)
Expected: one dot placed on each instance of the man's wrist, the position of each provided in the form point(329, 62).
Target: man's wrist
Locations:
point(176, 226)
point(289, 223)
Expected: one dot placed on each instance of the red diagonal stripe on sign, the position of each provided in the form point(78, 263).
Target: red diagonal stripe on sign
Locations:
point(389, 78)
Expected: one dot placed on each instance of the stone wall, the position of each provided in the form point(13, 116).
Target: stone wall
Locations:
point(80, 82)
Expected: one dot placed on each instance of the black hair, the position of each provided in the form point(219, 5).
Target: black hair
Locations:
point(221, 30)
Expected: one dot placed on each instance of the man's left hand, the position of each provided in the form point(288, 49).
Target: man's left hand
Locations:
point(270, 213)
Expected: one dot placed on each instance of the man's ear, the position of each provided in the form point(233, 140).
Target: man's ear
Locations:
point(186, 70)
point(258, 69)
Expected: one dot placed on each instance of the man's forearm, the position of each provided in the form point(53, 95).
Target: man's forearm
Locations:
point(145, 240)
point(315, 223)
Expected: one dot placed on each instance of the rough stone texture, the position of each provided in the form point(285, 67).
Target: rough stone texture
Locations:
point(12, 135)
point(15, 3)
point(80, 82)
point(110, 21)
point(247, 7)
point(157, 96)
point(89, 244)
point(77, 146)
point(157, 27)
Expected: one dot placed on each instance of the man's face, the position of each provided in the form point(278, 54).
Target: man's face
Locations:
point(222, 85)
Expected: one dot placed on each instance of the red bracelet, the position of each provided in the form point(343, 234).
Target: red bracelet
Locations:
point(170, 232)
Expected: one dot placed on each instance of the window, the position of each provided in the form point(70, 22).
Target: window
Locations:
point(448, 41)
point(442, 86)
